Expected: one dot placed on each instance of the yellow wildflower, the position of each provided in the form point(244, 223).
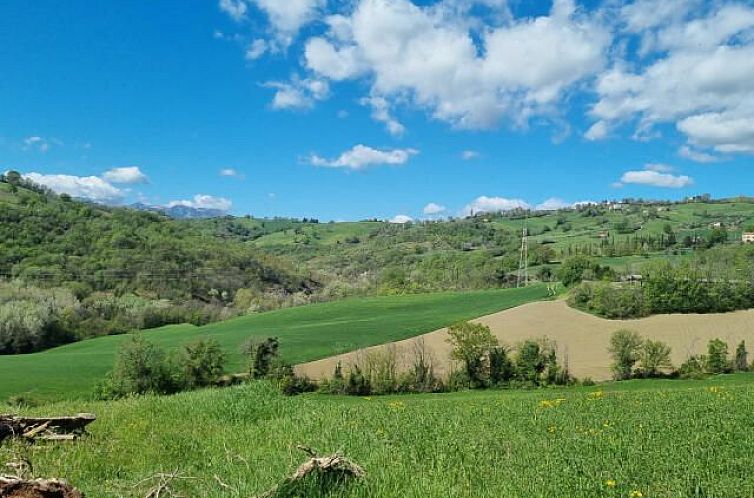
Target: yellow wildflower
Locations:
point(636, 494)
point(610, 483)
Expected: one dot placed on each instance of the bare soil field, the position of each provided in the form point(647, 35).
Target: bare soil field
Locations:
point(580, 337)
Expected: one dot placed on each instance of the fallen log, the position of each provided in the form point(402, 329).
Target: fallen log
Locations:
point(44, 427)
point(14, 487)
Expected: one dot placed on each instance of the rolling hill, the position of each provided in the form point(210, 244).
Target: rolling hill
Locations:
point(582, 339)
point(306, 333)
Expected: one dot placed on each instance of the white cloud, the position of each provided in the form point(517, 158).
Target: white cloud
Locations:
point(486, 204)
point(298, 94)
point(597, 131)
point(288, 16)
point(729, 131)
point(36, 143)
point(401, 219)
point(236, 9)
point(658, 167)
point(362, 156)
point(231, 173)
point(469, 155)
point(698, 78)
point(434, 58)
point(553, 204)
point(256, 49)
point(433, 209)
point(696, 155)
point(381, 112)
point(655, 178)
point(84, 187)
point(126, 175)
point(203, 201)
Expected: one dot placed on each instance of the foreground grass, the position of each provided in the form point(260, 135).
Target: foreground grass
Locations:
point(663, 440)
point(306, 333)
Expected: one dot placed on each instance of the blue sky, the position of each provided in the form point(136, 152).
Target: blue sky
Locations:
point(378, 108)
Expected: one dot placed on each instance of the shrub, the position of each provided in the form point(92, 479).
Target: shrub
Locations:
point(262, 356)
point(141, 367)
point(717, 357)
point(337, 384)
point(421, 376)
point(357, 384)
point(655, 356)
point(693, 367)
point(625, 349)
point(502, 369)
point(530, 362)
point(293, 384)
point(741, 361)
point(471, 344)
point(203, 363)
point(381, 368)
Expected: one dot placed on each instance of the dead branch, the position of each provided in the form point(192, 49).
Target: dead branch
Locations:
point(335, 465)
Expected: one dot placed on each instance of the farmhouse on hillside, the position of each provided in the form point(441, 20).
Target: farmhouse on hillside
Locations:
point(747, 238)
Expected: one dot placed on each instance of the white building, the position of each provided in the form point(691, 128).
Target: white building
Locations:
point(747, 238)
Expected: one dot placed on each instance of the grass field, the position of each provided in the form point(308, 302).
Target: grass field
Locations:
point(306, 333)
point(653, 439)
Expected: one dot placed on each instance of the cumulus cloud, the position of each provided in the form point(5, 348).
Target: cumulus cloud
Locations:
point(298, 94)
point(414, 54)
point(203, 201)
point(486, 204)
point(433, 209)
point(553, 204)
point(236, 9)
point(125, 175)
point(401, 219)
point(655, 175)
point(256, 49)
point(362, 156)
point(381, 112)
point(696, 155)
point(699, 77)
point(597, 131)
point(658, 167)
point(469, 155)
point(84, 187)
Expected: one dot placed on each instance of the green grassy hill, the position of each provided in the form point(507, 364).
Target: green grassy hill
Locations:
point(306, 333)
point(653, 439)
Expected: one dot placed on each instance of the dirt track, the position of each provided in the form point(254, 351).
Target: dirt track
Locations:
point(581, 337)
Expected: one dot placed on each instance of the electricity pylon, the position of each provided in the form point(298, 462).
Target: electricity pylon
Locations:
point(523, 261)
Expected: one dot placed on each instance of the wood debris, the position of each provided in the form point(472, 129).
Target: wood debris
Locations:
point(46, 428)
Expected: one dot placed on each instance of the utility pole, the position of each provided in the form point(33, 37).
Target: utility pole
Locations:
point(523, 261)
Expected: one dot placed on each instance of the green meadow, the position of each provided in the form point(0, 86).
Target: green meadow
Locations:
point(306, 333)
point(637, 439)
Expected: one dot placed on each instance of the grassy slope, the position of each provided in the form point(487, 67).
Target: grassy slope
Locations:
point(306, 333)
point(662, 439)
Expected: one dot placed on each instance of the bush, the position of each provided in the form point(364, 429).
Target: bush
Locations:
point(741, 361)
point(203, 363)
point(471, 344)
point(717, 357)
point(502, 369)
point(141, 368)
point(357, 383)
point(655, 356)
point(293, 384)
point(262, 356)
point(625, 349)
point(530, 362)
point(693, 367)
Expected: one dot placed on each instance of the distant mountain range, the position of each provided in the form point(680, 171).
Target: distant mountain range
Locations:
point(180, 212)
